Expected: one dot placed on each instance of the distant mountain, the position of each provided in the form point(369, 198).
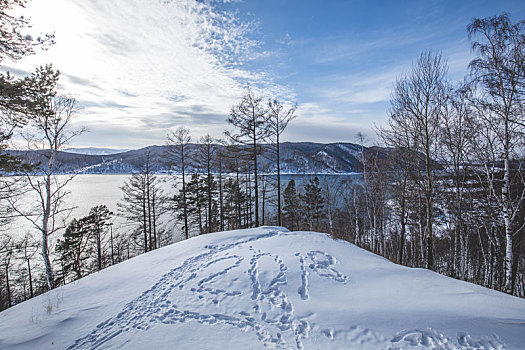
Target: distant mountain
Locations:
point(95, 151)
point(296, 157)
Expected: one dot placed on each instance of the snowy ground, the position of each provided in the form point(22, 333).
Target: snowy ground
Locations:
point(265, 288)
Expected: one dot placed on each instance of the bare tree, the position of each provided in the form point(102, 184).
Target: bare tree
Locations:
point(221, 162)
point(456, 138)
point(418, 103)
point(50, 133)
point(332, 192)
point(140, 206)
point(499, 72)
point(29, 247)
point(278, 118)
point(7, 249)
point(178, 155)
point(250, 119)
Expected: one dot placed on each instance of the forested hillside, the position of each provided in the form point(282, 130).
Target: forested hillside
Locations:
point(296, 158)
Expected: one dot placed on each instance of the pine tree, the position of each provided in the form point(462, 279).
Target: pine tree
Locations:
point(75, 248)
point(291, 207)
point(19, 98)
point(313, 204)
point(97, 223)
point(197, 202)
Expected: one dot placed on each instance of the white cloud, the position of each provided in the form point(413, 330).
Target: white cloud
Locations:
point(129, 62)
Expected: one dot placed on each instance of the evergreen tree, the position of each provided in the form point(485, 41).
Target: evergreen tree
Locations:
point(18, 97)
point(207, 151)
point(97, 223)
point(196, 199)
point(313, 204)
point(75, 248)
point(291, 207)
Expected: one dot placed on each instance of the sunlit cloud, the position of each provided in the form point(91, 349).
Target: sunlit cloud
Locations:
point(140, 67)
point(146, 64)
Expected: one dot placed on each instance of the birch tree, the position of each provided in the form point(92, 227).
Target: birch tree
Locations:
point(418, 103)
point(499, 73)
point(50, 132)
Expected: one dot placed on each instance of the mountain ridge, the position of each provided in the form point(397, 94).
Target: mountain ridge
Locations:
point(296, 157)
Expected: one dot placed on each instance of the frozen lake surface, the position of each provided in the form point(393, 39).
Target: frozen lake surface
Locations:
point(87, 191)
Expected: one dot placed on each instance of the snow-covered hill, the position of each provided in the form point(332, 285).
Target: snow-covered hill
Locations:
point(265, 288)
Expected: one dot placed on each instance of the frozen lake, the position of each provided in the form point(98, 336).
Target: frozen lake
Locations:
point(87, 191)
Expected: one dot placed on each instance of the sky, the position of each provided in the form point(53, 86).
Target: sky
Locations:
point(138, 68)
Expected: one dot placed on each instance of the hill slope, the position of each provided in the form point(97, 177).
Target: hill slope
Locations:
point(265, 288)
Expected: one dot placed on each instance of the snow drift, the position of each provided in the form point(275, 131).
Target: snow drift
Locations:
point(265, 288)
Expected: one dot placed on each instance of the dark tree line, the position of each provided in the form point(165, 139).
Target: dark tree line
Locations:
point(220, 183)
point(87, 245)
point(84, 245)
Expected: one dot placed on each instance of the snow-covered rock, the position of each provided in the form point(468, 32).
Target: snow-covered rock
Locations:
point(265, 288)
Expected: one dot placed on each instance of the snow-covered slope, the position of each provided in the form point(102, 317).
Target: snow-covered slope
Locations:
point(265, 288)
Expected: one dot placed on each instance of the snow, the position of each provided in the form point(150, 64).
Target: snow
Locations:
point(95, 151)
point(265, 288)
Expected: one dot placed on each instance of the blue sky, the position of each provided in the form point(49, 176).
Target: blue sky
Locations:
point(139, 67)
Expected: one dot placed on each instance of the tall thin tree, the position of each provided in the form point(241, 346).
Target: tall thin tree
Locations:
point(417, 102)
point(250, 120)
point(499, 71)
point(177, 148)
point(278, 118)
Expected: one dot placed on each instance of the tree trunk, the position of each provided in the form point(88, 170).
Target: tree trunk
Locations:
point(279, 215)
point(238, 189)
point(99, 247)
point(30, 278)
point(428, 202)
point(185, 205)
point(45, 232)
point(8, 288)
point(403, 231)
point(208, 179)
point(148, 198)
point(508, 226)
point(221, 200)
point(154, 218)
point(144, 220)
point(112, 250)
